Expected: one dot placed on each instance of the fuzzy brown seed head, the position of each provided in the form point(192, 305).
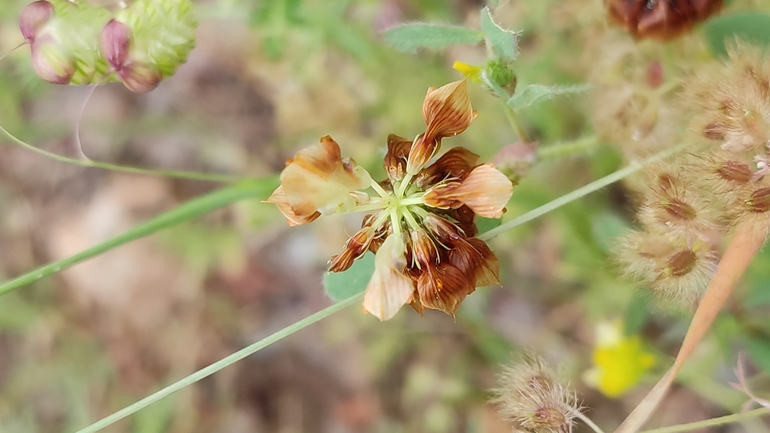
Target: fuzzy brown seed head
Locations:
point(759, 201)
point(735, 171)
point(679, 210)
point(714, 131)
point(531, 398)
point(682, 263)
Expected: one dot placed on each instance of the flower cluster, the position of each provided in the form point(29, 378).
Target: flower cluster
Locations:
point(661, 19)
point(691, 205)
point(421, 217)
point(532, 399)
point(73, 42)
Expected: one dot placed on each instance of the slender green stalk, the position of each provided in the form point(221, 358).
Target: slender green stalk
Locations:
point(711, 422)
point(578, 193)
point(186, 211)
point(222, 363)
point(588, 421)
point(565, 149)
point(513, 119)
point(179, 174)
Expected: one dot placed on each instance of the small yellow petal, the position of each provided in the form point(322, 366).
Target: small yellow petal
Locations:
point(471, 72)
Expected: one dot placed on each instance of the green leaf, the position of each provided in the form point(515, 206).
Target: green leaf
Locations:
point(534, 92)
point(343, 285)
point(751, 27)
point(411, 37)
point(502, 42)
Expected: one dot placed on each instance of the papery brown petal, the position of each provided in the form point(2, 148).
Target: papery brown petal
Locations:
point(443, 288)
point(446, 232)
point(447, 111)
point(389, 288)
point(484, 263)
point(395, 159)
point(661, 19)
point(456, 163)
point(464, 219)
point(422, 150)
point(424, 251)
point(319, 179)
point(278, 198)
point(486, 191)
point(355, 248)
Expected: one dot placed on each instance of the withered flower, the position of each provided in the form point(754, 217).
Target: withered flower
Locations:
point(661, 19)
point(421, 218)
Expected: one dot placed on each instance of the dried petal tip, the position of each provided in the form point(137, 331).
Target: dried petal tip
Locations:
point(390, 288)
point(278, 198)
point(447, 111)
point(531, 398)
point(486, 191)
point(33, 18)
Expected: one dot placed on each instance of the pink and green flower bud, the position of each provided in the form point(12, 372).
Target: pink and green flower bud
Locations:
point(161, 35)
point(33, 18)
point(64, 39)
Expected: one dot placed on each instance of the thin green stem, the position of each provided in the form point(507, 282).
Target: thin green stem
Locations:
point(588, 421)
point(578, 193)
point(179, 174)
point(382, 193)
point(722, 420)
point(219, 365)
point(371, 206)
point(186, 211)
point(580, 146)
point(411, 201)
point(513, 118)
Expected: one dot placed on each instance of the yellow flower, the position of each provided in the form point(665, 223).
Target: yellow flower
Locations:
point(471, 72)
point(620, 361)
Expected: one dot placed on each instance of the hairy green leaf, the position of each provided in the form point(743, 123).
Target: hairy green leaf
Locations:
point(502, 42)
point(535, 92)
point(343, 285)
point(411, 37)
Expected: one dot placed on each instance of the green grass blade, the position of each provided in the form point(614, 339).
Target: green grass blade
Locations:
point(222, 363)
point(217, 199)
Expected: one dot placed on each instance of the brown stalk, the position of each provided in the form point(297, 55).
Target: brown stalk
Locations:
point(736, 259)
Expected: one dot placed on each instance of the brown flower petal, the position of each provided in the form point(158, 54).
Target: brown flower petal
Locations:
point(661, 19)
point(421, 152)
point(319, 179)
point(473, 257)
point(390, 288)
point(447, 111)
point(355, 248)
point(464, 220)
point(278, 198)
point(395, 159)
point(456, 163)
point(486, 191)
point(443, 288)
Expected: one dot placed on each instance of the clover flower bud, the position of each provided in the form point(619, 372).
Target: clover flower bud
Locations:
point(447, 111)
point(530, 396)
point(33, 18)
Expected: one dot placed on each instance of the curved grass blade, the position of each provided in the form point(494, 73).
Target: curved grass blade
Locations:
point(184, 212)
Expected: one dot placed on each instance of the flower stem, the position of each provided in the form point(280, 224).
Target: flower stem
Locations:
point(222, 363)
point(179, 174)
point(568, 148)
point(578, 193)
point(509, 112)
point(587, 421)
point(186, 211)
point(382, 193)
point(411, 201)
point(722, 420)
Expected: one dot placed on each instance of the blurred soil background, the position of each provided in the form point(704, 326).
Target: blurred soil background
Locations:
point(267, 78)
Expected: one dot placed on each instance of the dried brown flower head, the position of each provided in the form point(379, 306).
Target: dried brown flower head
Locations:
point(421, 222)
point(529, 395)
point(660, 19)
